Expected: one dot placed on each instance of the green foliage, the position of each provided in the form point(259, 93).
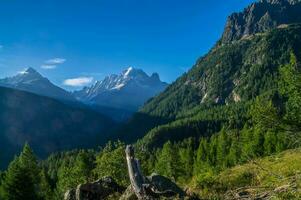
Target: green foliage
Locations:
point(46, 191)
point(290, 88)
point(111, 161)
point(50, 126)
point(71, 174)
point(167, 164)
point(21, 179)
point(228, 74)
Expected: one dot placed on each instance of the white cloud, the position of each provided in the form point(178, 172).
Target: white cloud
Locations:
point(48, 66)
point(55, 61)
point(77, 82)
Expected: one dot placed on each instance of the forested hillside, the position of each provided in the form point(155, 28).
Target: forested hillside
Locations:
point(229, 75)
point(48, 125)
point(227, 129)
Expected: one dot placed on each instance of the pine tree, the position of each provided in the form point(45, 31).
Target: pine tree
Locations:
point(186, 158)
point(290, 88)
point(74, 172)
point(234, 153)
point(213, 151)
point(223, 147)
point(112, 162)
point(28, 160)
point(201, 157)
point(21, 179)
point(46, 192)
point(270, 141)
point(258, 143)
point(167, 164)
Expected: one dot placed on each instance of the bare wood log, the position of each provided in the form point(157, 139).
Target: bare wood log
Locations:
point(136, 177)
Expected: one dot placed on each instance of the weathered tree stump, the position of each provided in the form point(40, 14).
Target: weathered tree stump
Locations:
point(137, 179)
point(149, 188)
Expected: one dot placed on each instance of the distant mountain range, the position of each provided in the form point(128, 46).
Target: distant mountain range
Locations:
point(117, 96)
point(128, 90)
point(31, 81)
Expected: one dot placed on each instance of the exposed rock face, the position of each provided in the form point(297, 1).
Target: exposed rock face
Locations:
point(260, 17)
point(97, 190)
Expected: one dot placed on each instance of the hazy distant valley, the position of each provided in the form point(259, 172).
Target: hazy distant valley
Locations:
point(52, 119)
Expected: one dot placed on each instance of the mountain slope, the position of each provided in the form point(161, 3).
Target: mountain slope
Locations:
point(235, 71)
point(46, 124)
point(32, 81)
point(230, 73)
point(128, 90)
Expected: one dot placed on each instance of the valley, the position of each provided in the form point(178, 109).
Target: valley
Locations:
point(228, 128)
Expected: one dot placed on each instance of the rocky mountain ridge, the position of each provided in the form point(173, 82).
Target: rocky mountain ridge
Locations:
point(260, 17)
point(128, 90)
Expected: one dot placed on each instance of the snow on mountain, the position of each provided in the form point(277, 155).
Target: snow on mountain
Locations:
point(31, 81)
point(128, 90)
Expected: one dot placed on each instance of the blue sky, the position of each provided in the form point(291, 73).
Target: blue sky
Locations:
point(66, 39)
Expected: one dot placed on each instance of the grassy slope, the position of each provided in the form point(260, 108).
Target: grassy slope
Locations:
point(277, 176)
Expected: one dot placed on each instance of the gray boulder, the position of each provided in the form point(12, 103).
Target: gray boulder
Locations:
point(159, 186)
point(98, 190)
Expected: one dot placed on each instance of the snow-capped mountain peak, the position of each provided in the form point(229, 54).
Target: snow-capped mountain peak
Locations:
point(128, 71)
point(32, 81)
point(23, 77)
point(129, 82)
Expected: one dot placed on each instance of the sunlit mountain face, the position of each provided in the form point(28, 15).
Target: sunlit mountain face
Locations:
point(129, 90)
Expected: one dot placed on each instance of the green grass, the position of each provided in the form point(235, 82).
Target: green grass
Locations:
point(277, 176)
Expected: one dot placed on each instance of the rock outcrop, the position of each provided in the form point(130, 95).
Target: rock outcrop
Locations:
point(100, 189)
point(162, 186)
point(260, 17)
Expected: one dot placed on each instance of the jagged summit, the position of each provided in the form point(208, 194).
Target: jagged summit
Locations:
point(24, 77)
point(132, 87)
point(132, 72)
point(261, 16)
point(155, 76)
point(292, 2)
point(31, 70)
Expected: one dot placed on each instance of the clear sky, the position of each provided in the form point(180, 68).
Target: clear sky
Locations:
point(66, 39)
